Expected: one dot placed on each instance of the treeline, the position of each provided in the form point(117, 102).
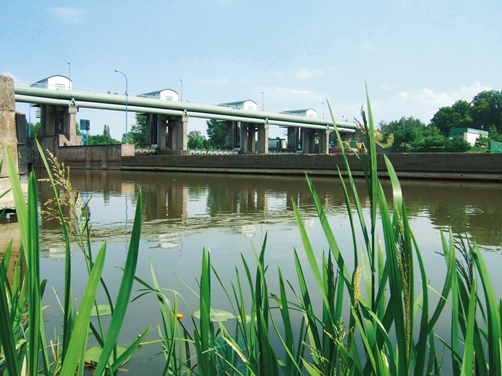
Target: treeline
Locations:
point(484, 112)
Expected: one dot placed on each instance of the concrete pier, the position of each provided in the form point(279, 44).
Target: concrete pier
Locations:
point(8, 137)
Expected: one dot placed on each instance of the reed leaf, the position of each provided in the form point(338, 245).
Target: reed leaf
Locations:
point(7, 338)
point(494, 322)
point(310, 255)
point(78, 341)
point(67, 301)
point(467, 359)
point(395, 281)
point(124, 290)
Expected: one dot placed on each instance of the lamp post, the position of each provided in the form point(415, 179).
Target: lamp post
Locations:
point(127, 94)
point(323, 110)
point(181, 92)
point(69, 75)
point(262, 101)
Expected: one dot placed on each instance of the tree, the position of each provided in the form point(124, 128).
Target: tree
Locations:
point(457, 116)
point(34, 129)
point(196, 140)
point(103, 139)
point(216, 133)
point(137, 134)
point(487, 110)
point(400, 125)
point(403, 139)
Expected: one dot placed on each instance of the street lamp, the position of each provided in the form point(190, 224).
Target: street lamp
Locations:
point(262, 100)
point(127, 94)
point(69, 75)
point(323, 110)
point(181, 92)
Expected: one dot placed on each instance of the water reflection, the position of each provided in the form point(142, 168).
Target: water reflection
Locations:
point(180, 201)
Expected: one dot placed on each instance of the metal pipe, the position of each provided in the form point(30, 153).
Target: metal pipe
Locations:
point(202, 115)
point(210, 110)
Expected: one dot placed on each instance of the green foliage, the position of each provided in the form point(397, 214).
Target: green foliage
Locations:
point(216, 133)
point(33, 129)
point(483, 142)
point(487, 110)
point(197, 141)
point(137, 134)
point(22, 338)
point(456, 116)
point(494, 134)
point(103, 139)
point(400, 125)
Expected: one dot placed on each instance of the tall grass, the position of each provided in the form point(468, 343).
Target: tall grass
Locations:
point(23, 339)
point(378, 316)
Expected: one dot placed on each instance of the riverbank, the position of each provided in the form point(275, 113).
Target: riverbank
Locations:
point(465, 166)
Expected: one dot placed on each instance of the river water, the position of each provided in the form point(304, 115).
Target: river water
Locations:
point(229, 214)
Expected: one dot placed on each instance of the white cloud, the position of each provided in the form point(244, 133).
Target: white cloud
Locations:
point(284, 90)
point(441, 99)
point(305, 74)
point(68, 15)
point(422, 104)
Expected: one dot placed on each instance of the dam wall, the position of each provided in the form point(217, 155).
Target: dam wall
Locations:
point(483, 166)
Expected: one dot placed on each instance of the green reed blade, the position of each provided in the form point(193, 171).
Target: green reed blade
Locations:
point(310, 255)
point(288, 342)
point(35, 322)
point(366, 343)
point(78, 340)
point(124, 357)
point(494, 322)
point(124, 290)
point(7, 339)
point(467, 359)
point(396, 288)
point(67, 312)
point(454, 333)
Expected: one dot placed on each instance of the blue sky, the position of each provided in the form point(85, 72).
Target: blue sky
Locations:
point(414, 56)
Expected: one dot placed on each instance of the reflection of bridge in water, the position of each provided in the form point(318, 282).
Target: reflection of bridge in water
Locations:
point(203, 201)
point(167, 120)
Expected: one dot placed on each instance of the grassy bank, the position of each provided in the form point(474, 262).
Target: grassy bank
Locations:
point(378, 317)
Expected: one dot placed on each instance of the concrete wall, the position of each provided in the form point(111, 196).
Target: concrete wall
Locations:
point(417, 165)
point(8, 136)
point(85, 157)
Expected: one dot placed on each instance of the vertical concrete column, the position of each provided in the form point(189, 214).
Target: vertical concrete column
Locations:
point(229, 140)
point(70, 129)
point(152, 128)
point(232, 140)
point(7, 123)
point(324, 141)
point(8, 139)
point(309, 141)
point(293, 142)
point(263, 138)
point(162, 127)
point(44, 120)
point(163, 139)
point(181, 134)
point(244, 138)
point(251, 139)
